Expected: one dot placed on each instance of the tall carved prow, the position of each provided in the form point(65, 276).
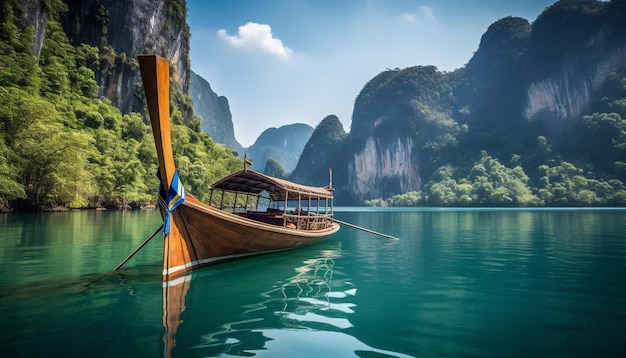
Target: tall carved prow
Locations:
point(155, 72)
point(178, 248)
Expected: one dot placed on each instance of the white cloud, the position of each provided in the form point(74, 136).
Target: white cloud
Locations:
point(257, 37)
point(428, 12)
point(410, 18)
point(425, 13)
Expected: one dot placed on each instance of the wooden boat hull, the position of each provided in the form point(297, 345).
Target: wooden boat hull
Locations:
point(212, 236)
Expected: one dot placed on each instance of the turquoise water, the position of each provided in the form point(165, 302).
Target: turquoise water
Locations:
point(459, 283)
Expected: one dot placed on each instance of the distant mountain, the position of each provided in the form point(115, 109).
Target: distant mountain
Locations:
point(320, 152)
point(214, 112)
point(536, 117)
point(283, 144)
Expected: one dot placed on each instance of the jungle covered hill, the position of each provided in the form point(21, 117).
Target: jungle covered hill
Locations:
point(63, 142)
point(537, 117)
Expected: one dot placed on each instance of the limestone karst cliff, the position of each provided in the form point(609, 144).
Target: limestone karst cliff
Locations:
point(125, 28)
point(382, 170)
point(214, 112)
point(63, 143)
point(567, 93)
point(323, 151)
point(122, 29)
point(521, 98)
point(401, 119)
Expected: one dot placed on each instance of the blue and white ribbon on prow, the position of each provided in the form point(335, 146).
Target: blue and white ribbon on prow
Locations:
point(170, 200)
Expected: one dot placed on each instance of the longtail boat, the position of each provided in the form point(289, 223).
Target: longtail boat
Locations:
point(248, 213)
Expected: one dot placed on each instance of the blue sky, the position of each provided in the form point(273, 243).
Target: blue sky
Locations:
point(296, 61)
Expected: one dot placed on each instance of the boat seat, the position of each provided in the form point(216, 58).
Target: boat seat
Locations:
point(273, 218)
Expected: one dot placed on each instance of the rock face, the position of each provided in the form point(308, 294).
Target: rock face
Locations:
point(525, 81)
point(396, 116)
point(383, 170)
point(566, 94)
point(214, 110)
point(36, 14)
point(122, 29)
point(579, 44)
point(322, 152)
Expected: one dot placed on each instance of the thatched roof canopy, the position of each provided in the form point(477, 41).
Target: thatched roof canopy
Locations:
point(250, 181)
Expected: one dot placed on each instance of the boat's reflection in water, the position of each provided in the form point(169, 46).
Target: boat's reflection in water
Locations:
point(288, 304)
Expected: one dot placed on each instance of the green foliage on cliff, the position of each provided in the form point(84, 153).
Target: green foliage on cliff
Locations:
point(545, 178)
point(323, 148)
point(492, 184)
point(532, 128)
point(596, 179)
point(564, 29)
point(62, 146)
point(273, 168)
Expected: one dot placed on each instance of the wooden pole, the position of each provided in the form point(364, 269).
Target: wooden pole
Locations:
point(117, 268)
point(366, 230)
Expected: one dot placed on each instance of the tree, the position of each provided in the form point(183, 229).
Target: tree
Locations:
point(607, 140)
point(10, 188)
point(494, 184)
point(566, 185)
point(50, 163)
point(19, 68)
point(442, 190)
point(60, 145)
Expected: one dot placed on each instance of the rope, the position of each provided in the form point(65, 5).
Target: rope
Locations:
point(169, 201)
point(117, 268)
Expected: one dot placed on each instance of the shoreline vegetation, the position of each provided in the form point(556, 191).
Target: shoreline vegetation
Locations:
point(489, 183)
point(63, 145)
point(63, 209)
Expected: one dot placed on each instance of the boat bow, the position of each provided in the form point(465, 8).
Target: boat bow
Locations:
point(198, 234)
